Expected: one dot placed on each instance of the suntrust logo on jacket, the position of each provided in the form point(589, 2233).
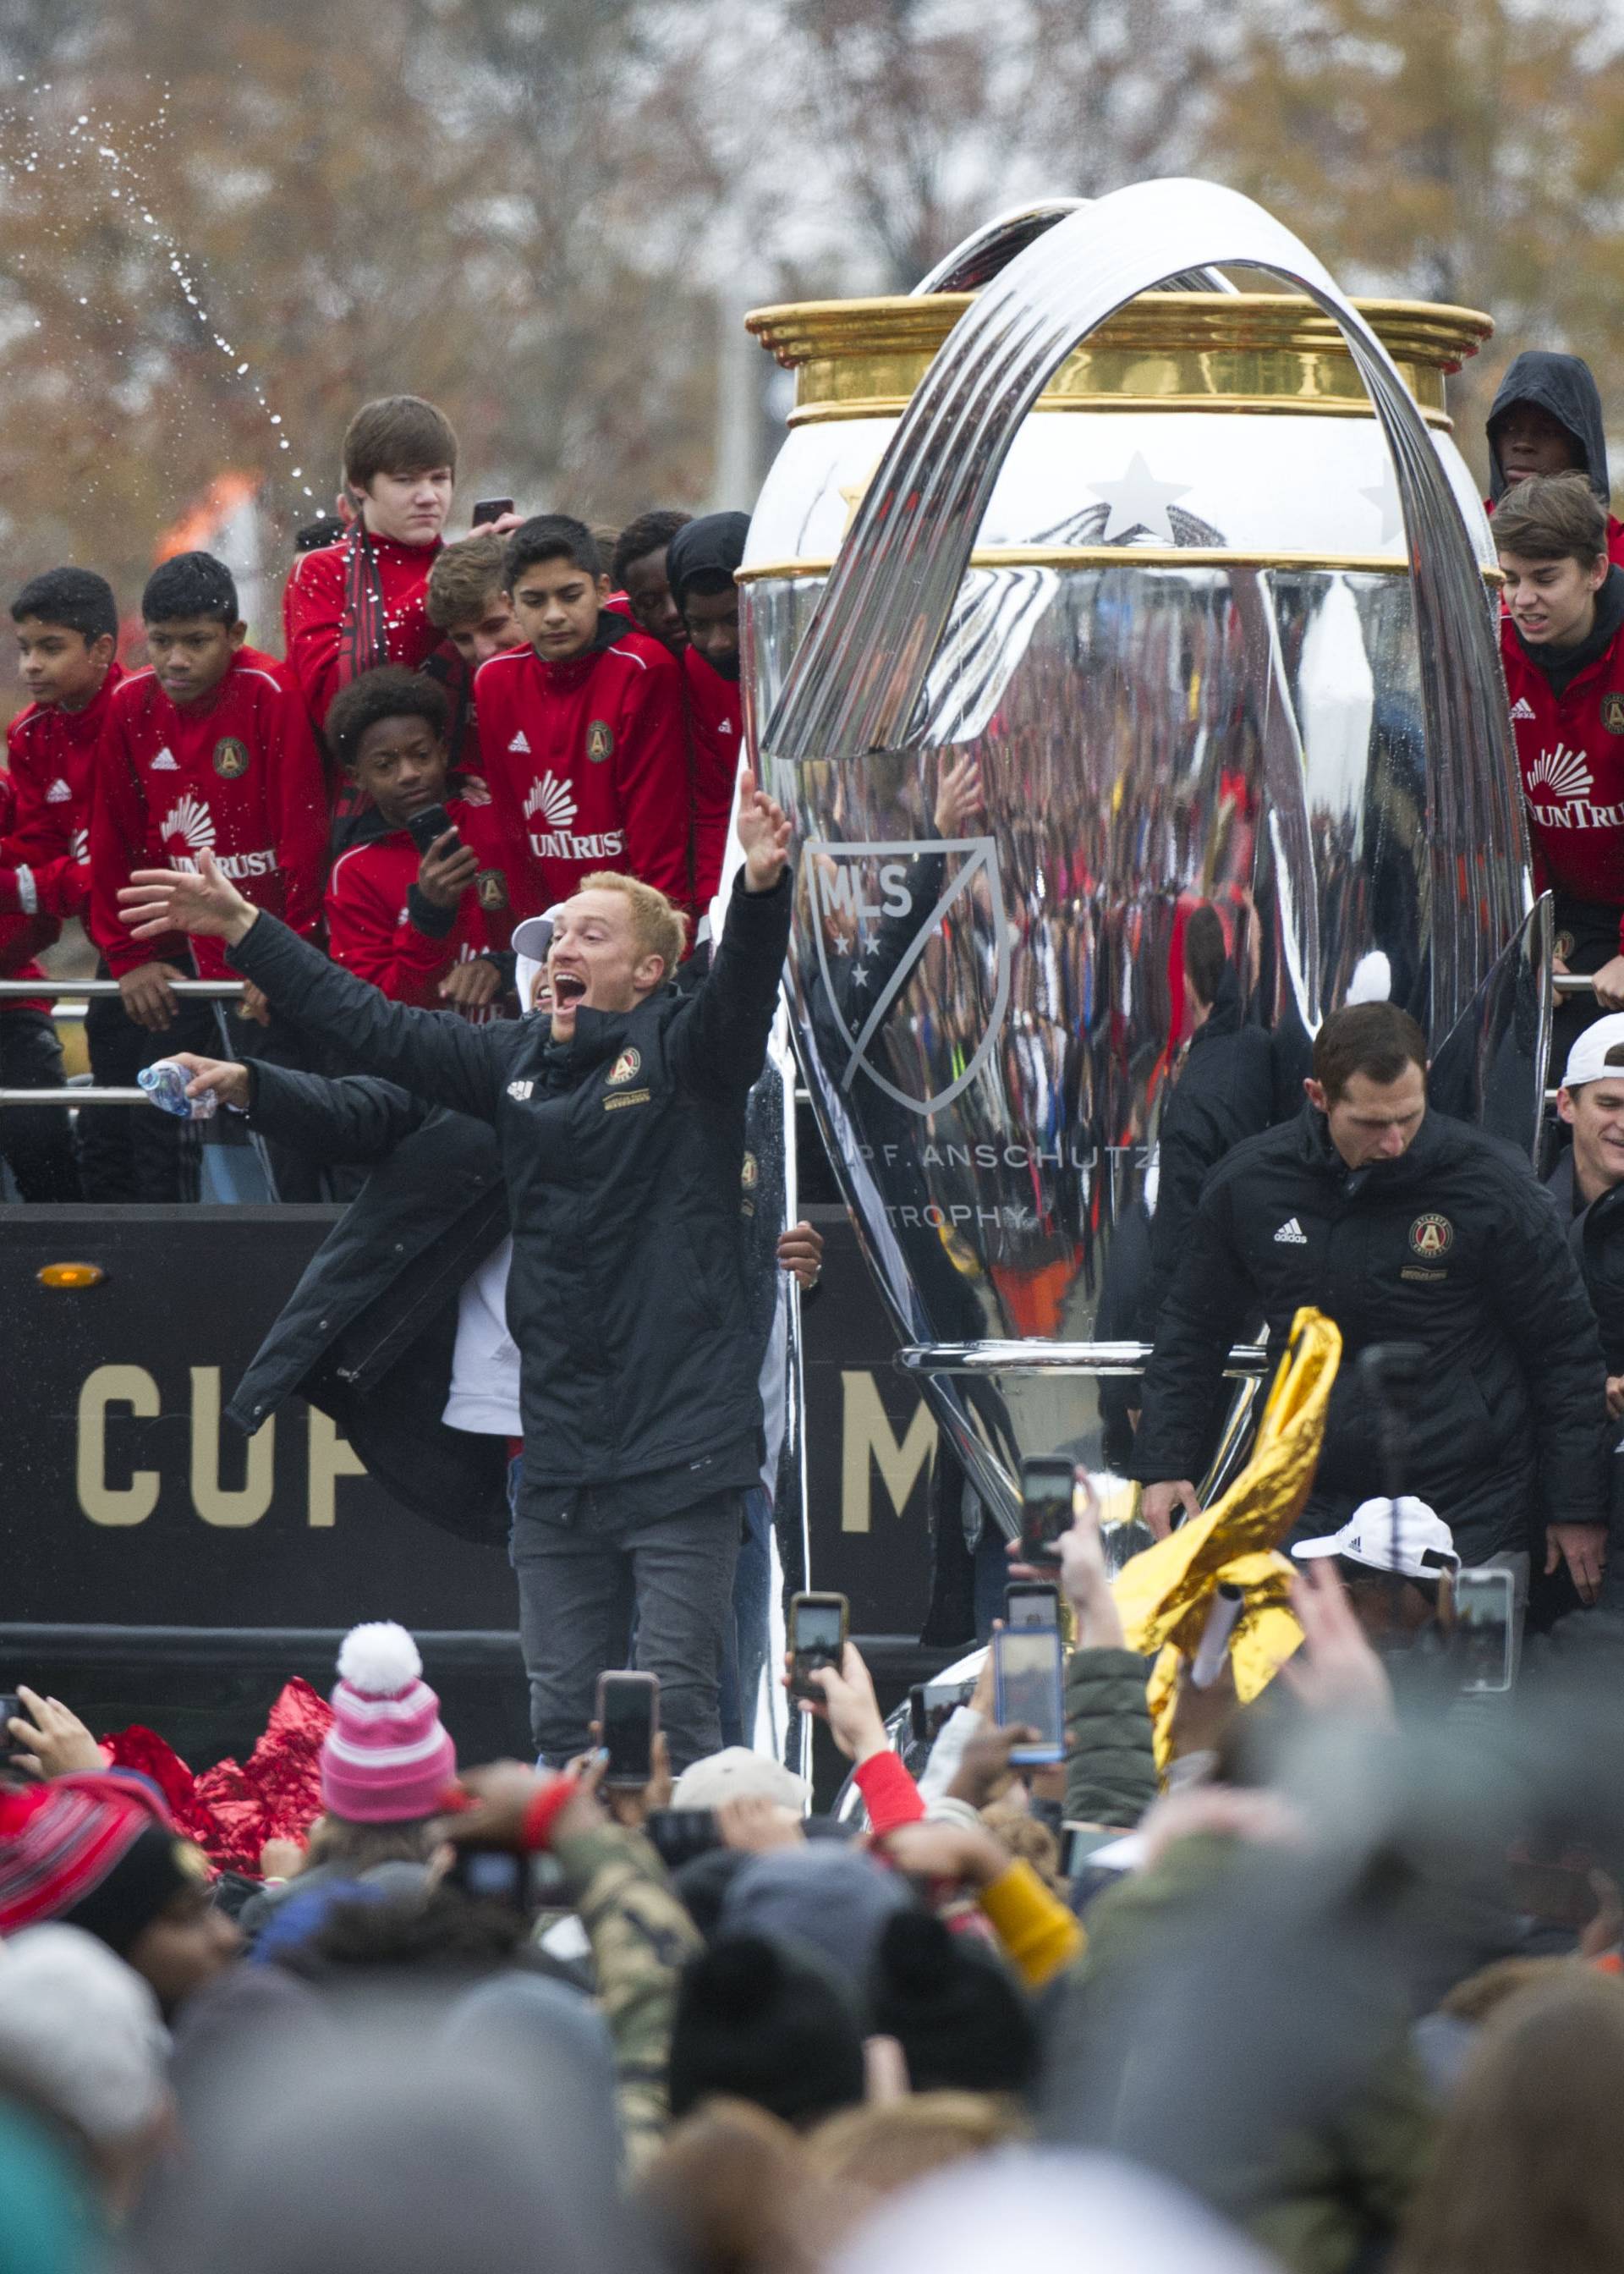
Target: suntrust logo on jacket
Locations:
point(554, 801)
point(231, 864)
point(1566, 774)
point(190, 820)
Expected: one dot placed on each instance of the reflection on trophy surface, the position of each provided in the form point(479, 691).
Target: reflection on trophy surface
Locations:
point(1210, 641)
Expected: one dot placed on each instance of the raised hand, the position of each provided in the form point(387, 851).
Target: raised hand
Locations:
point(764, 831)
point(205, 903)
point(849, 1705)
point(1336, 1672)
point(54, 1740)
point(958, 795)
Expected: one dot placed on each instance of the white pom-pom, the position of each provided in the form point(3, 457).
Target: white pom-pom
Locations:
point(1372, 981)
point(380, 1659)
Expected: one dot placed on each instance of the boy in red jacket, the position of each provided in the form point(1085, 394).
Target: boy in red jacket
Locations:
point(581, 730)
point(351, 606)
point(639, 571)
point(211, 746)
point(470, 608)
point(67, 628)
point(425, 925)
point(1564, 658)
point(36, 1142)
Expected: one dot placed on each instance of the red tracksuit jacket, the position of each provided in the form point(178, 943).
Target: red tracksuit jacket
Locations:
point(313, 614)
point(45, 847)
point(1570, 753)
point(587, 763)
point(22, 935)
point(238, 773)
point(716, 745)
point(370, 926)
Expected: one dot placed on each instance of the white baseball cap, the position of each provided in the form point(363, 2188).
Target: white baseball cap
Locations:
point(735, 1774)
point(530, 942)
point(534, 937)
point(1405, 1536)
point(1587, 1061)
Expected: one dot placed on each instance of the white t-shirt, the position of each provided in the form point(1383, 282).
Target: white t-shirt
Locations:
point(485, 1363)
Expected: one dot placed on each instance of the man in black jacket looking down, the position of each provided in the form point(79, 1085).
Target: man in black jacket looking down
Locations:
point(1404, 1226)
point(619, 1122)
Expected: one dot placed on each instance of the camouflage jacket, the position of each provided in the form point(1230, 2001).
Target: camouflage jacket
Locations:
point(640, 1938)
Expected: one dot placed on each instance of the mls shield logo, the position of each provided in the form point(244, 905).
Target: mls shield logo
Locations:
point(907, 895)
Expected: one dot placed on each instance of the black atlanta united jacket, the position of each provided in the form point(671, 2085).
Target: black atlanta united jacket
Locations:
point(1453, 1247)
point(622, 1153)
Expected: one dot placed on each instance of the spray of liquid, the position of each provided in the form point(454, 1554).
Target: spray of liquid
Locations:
point(88, 141)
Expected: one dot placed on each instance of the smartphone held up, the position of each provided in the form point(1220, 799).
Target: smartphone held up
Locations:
point(1047, 1485)
point(425, 829)
point(627, 1722)
point(818, 1627)
point(1028, 1684)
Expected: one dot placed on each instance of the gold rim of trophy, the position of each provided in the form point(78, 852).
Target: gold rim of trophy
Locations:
point(1130, 556)
point(1269, 352)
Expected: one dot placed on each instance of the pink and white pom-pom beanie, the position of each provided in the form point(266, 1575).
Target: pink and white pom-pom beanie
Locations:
point(387, 1758)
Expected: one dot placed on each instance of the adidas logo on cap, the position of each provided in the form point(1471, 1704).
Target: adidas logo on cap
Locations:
point(166, 762)
point(1522, 708)
point(521, 742)
point(1291, 1234)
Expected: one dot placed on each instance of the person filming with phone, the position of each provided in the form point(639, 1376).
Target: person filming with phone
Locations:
point(620, 1121)
point(1406, 1226)
point(419, 901)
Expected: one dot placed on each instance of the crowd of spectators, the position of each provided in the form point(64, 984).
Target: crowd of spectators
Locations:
point(1300, 2012)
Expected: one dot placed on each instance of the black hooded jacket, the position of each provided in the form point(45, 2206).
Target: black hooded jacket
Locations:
point(368, 1334)
point(1453, 1247)
point(1562, 385)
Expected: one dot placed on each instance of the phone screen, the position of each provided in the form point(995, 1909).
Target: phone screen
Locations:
point(1027, 1682)
point(1031, 1603)
point(628, 1729)
point(1482, 1629)
point(1046, 1490)
point(424, 828)
point(818, 1632)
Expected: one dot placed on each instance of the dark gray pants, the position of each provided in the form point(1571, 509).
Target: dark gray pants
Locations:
point(572, 1585)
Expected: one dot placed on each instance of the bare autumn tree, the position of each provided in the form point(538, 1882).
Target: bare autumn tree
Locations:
point(222, 229)
point(1461, 150)
point(932, 114)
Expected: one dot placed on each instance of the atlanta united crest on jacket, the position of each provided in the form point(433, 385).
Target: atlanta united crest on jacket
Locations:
point(587, 762)
point(236, 774)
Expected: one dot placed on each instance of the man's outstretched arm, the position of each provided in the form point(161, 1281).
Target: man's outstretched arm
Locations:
point(720, 1045)
point(433, 1053)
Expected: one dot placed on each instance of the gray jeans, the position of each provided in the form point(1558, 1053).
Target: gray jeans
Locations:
point(572, 1619)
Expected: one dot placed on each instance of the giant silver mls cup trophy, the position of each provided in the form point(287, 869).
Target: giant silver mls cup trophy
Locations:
point(1198, 578)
